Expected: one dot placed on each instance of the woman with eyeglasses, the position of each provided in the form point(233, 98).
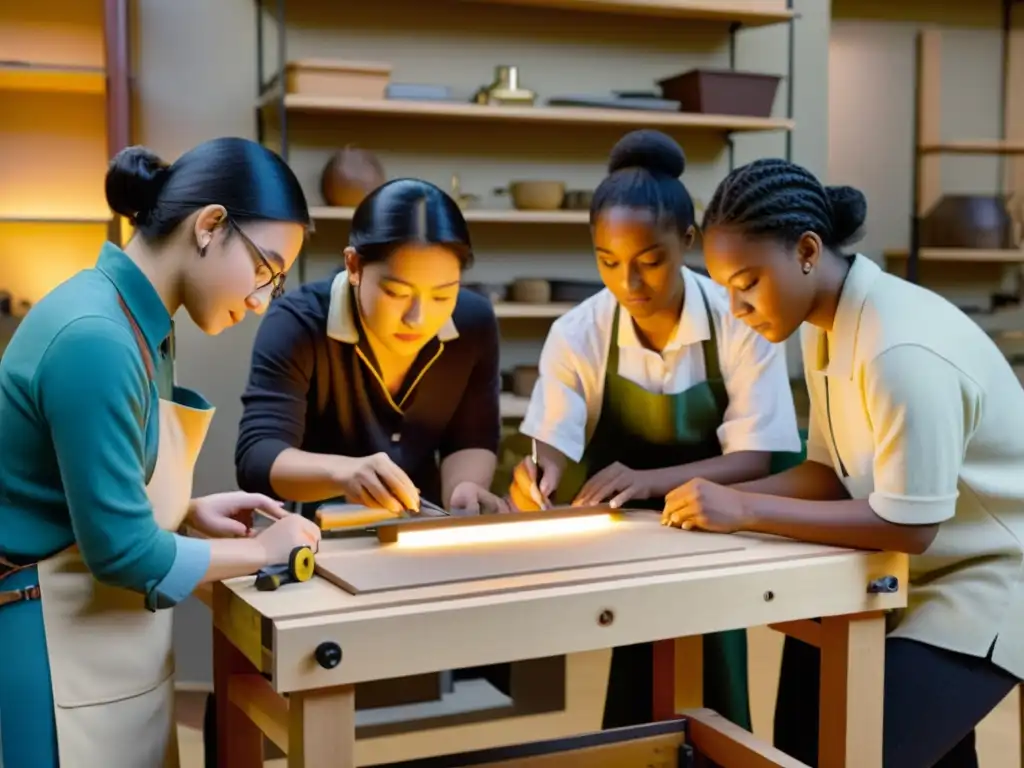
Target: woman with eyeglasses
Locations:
point(99, 537)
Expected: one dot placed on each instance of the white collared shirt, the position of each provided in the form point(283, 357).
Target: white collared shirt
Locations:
point(918, 412)
point(566, 402)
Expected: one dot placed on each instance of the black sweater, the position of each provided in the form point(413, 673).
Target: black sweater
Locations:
point(311, 392)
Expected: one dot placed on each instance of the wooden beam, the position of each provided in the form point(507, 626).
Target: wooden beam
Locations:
point(805, 630)
point(929, 111)
point(726, 744)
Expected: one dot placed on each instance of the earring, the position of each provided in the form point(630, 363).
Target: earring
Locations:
point(807, 267)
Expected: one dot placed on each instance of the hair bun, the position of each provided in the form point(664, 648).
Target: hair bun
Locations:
point(651, 150)
point(134, 180)
point(849, 212)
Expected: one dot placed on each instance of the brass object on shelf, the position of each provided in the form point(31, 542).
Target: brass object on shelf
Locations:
point(463, 200)
point(505, 89)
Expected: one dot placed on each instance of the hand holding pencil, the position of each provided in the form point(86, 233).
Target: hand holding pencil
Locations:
point(534, 480)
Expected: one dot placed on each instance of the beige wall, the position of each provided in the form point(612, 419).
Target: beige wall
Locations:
point(195, 64)
point(871, 103)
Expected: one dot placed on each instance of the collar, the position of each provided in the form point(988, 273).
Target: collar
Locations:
point(693, 325)
point(859, 282)
point(138, 293)
point(341, 319)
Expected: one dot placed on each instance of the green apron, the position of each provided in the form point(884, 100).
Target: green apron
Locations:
point(644, 430)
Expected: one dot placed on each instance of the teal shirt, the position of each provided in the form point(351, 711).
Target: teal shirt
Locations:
point(79, 434)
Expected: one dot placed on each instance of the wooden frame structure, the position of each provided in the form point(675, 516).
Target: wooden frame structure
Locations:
point(287, 664)
point(930, 147)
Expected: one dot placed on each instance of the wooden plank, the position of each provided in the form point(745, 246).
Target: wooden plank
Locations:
point(852, 691)
point(322, 729)
point(581, 116)
point(960, 254)
point(929, 105)
point(512, 309)
point(318, 597)
point(655, 745)
point(751, 14)
point(806, 630)
point(475, 216)
point(532, 623)
point(397, 567)
point(728, 745)
point(54, 79)
point(975, 147)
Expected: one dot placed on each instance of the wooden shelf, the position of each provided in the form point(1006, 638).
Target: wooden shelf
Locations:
point(540, 115)
point(960, 254)
point(513, 406)
point(745, 13)
point(97, 218)
point(978, 147)
point(513, 310)
point(17, 76)
point(480, 215)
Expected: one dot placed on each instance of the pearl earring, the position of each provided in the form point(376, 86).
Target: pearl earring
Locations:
point(807, 267)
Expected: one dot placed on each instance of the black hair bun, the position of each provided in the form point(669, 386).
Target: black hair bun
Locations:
point(651, 150)
point(134, 180)
point(849, 212)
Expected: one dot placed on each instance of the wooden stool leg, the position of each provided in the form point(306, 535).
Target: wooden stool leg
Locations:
point(852, 691)
point(678, 676)
point(239, 742)
point(322, 728)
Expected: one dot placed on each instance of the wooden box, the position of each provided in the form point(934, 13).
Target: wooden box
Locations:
point(722, 92)
point(336, 78)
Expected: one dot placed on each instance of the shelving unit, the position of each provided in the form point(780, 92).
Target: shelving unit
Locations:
point(930, 147)
point(476, 216)
point(278, 109)
point(64, 82)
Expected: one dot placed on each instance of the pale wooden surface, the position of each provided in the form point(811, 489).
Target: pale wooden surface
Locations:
point(374, 567)
point(319, 597)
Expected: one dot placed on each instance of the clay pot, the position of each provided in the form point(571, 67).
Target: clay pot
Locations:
point(349, 176)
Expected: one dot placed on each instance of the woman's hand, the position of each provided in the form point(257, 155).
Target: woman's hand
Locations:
point(616, 482)
point(229, 515)
point(377, 482)
point(474, 499)
point(701, 504)
point(525, 494)
point(286, 534)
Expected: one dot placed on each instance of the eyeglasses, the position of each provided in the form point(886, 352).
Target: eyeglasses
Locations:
point(265, 274)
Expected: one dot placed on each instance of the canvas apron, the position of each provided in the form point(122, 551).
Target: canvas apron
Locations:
point(644, 430)
point(111, 659)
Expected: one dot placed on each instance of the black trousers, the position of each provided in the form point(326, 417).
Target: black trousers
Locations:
point(933, 700)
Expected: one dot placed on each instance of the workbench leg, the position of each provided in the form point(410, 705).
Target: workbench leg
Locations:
point(678, 676)
point(322, 728)
point(852, 691)
point(239, 741)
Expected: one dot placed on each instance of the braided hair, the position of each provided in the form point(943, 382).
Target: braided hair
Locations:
point(777, 198)
point(643, 173)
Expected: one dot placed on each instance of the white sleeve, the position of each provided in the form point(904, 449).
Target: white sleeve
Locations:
point(922, 415)
point(557, 413)
point(760, 415)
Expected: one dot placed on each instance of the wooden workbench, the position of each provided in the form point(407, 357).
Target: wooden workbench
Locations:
point(287, 663)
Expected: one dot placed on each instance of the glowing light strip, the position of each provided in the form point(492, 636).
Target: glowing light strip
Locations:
point(517, 529)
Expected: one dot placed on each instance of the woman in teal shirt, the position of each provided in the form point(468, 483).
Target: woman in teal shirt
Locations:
point(97, 446)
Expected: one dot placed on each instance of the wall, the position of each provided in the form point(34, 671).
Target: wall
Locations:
point(196, 76)
point(871, 97)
